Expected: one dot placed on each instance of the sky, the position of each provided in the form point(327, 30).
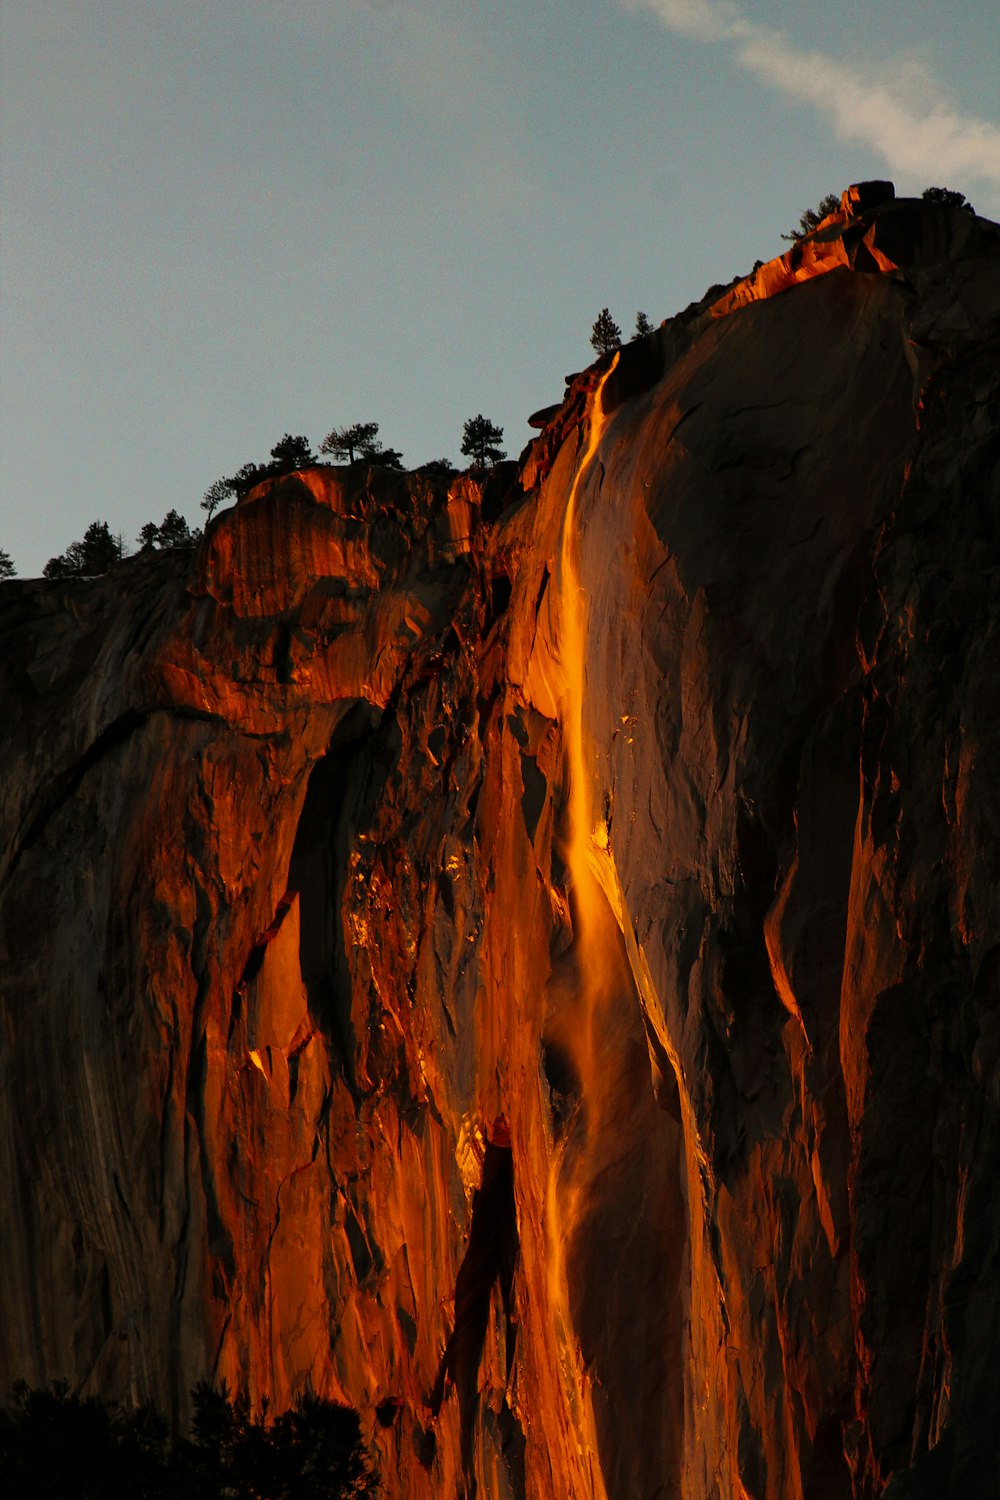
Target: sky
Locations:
point(225, 220)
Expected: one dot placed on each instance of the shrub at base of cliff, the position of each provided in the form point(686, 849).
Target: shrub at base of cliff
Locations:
point(54, 1446)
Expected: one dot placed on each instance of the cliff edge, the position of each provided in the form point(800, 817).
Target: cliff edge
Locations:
point(525, 959)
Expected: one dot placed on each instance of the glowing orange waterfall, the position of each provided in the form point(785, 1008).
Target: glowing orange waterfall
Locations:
point(595, 977)
point(602, 996)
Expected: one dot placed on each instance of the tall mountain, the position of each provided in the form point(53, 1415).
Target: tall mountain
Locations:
point(523, 956)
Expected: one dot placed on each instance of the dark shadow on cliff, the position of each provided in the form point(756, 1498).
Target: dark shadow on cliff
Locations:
point(344, 788)
point(490, 1260)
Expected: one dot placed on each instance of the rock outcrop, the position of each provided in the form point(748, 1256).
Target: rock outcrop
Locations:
point(528, 963)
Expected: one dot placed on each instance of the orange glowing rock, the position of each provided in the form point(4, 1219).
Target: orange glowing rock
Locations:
point(524, 962)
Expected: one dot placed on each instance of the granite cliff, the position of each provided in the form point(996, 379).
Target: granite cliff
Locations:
point(524, 957)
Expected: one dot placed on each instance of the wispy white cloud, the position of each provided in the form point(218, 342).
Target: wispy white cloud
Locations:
point(898, 110)
point(705, 19)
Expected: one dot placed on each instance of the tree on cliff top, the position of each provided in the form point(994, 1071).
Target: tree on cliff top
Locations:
point(360, 443)
point(813, 216)
point(480, 440)
point(173, 531)
point(96, 553)
point(219, 492)
point(288, 454)
point(605, 334)
point(642, 325)
point(7, 568)
point(949, 196)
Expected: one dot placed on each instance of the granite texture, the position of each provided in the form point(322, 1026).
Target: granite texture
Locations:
point(524, 957)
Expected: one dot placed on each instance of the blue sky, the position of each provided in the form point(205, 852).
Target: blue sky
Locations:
point(226, 220)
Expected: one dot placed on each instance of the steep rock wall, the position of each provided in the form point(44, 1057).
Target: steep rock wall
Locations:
point(536, 977)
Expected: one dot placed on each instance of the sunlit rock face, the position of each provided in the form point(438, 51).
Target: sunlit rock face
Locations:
point(526, 961)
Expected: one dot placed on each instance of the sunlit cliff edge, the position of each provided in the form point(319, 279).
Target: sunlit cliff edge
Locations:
point(523, 957)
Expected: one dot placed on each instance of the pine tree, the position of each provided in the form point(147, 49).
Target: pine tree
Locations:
point(288, 454)
point(7, 568)
point(642, 325)
point(356, 443)
point(813, 216)
point(96, 553)
point(605, 334)
point(174, 531)
point(387, 458)
point(291, 453)
point(949, 196)
point(480, 439)
point(218, 493)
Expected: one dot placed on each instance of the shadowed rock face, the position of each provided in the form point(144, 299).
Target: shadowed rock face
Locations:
point(538, 978)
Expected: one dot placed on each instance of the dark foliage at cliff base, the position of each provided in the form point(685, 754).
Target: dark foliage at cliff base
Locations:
point(54, 1446)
